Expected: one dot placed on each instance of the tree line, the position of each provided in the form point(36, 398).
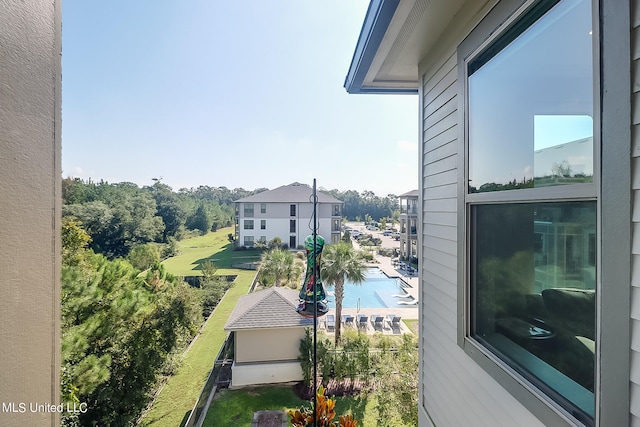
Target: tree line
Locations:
point(359, 205)
point(120, 216)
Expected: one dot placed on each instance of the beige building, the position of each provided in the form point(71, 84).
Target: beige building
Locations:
point(30, 173)
point(267, 332)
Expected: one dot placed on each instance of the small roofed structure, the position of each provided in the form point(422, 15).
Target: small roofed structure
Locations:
point(267, 332)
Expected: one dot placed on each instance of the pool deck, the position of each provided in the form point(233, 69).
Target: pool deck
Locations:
point(410, 312)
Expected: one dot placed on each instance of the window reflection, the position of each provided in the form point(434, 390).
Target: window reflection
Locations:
point(534, 91)
point(533, 293)
point(563, 147)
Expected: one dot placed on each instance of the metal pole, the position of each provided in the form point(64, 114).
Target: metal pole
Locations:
point(315, 308)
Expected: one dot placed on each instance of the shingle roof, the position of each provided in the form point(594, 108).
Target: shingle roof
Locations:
point(269, 308)
point(292, 193)
point(412, 193)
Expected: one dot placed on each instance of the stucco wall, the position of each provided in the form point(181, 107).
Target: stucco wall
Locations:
point(265, 345)
point(268, 373)
point(29, 209)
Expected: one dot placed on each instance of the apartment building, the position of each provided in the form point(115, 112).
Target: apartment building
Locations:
point(286, 212)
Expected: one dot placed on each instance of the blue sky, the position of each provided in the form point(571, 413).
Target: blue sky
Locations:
point(236, 94)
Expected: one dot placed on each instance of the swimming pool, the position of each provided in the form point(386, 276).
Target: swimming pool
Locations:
point(375, 292)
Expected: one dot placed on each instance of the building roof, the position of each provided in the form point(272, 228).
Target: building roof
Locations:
point(412, 193)
point(269, 308)
point(292, 193)
point(396, 35)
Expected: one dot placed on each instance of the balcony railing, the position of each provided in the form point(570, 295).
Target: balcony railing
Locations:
point(409, 211)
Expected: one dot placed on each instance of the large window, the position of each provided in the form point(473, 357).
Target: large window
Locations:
point(532, 201)
point(534, 293)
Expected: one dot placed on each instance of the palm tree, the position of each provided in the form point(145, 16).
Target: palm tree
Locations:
point(340, 262)
point(280, 266)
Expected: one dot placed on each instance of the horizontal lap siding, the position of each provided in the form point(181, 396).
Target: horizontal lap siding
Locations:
point(456, 390)
point(439, 245)
point(635, 179)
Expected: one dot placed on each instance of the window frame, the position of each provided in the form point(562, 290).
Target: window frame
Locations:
point(610, 188)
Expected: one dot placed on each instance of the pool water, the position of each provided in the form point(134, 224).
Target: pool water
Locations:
point(375, 292)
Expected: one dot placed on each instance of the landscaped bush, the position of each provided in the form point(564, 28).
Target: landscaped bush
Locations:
point(388, 252)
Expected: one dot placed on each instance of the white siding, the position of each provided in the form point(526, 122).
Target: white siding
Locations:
point(455, 390)
point(277, 217)
point(635, 179)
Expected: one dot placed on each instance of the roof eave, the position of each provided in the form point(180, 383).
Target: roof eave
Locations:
point(374, 27)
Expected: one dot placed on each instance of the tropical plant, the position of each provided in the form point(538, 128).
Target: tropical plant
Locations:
point(341, 262)
point(279, 268)
point(325, 413)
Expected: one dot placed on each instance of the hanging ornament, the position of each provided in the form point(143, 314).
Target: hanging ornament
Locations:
point(313, 304)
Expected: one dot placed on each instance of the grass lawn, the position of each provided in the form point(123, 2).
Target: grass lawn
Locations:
point(181, 391)
point(212, 246)
point(235, 408)
point(413, 325)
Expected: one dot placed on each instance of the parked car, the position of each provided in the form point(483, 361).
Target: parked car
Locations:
point(372, 228)
point(354, 233)
point(387, 233)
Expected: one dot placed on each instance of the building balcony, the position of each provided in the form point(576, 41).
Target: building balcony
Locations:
point(409, 210)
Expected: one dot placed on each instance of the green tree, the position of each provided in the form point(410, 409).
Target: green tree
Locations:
point(212, 287)
point(396, 385)
point(169, 209)
point(368, 219)
point(306, 356)
point(200, 220)
point(143, 256)
point(280, 268)
point(74, 240)
point(127, 218)
point(117, 333)
point(341, 262)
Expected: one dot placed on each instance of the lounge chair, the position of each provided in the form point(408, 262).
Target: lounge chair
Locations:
point(330, 321)
point(402, 295)
point(376, 321)
point(412, 302)
point(394, 321)
point(362, 321)
point(347, 320)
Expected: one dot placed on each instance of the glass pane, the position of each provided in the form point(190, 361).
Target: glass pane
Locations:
point(531, 106)
point(533, 293)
